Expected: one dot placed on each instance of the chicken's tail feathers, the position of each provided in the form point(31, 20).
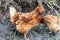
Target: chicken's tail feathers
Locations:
point(12, 11)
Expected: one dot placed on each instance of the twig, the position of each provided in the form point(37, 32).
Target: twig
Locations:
point(52, 8)
point(55, 4)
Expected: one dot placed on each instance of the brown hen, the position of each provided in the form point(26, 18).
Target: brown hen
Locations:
point(52, 22)
point(26, 21)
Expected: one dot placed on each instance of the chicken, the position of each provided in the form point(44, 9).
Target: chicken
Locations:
point(52, 22)
point(26, 21)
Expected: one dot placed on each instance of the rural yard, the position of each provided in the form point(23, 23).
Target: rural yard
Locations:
point(8, 30)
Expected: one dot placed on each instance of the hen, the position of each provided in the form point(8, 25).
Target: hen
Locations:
point(26, 21)
point(52, 22)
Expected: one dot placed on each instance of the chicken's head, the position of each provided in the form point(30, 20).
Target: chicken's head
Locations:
point(41, 9)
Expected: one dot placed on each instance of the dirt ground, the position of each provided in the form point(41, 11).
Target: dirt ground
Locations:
point(8, 31)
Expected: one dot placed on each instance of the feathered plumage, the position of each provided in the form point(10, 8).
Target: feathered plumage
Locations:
point(52, 22)
point(25, 21)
